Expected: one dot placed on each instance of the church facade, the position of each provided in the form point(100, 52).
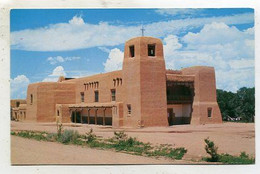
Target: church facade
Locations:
point(142, 94)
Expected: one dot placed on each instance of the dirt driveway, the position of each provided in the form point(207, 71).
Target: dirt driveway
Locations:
point(231, 138)
point(26, 151)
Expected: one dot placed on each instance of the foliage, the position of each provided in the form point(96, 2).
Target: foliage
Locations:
point(68, 136)
point(51, 137)
point(211, 149)
point(32, 135)
point(121, 142)
point(90, 136)
point(239, 104)
point(243, 158)
point(168, 151)
point(120, 136)
point(124, 143)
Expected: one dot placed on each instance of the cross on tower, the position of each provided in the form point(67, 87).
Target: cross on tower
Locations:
point(142, 29)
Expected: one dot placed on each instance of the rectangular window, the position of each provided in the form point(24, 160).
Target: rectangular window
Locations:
point(82, 96)
point(132, 51)
point(96, 96)
point(151, 50)
point(209, 112)
point(129, 109)
point(31, 98)
point(17, 104)
point(113, 95)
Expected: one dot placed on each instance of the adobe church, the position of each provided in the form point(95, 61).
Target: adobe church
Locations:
point(142, 94)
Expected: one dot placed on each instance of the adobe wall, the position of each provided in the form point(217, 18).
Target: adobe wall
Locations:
point(205, 95)
point(153, 84)
point(64, 113)
point(50, 94)
point(145, 84)
point(31, 109)
point(118, 115)
point(14, 101)
point(18, 112)
point(132, 90)
point(105, 84)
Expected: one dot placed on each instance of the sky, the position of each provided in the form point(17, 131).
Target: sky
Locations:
point(46, 44)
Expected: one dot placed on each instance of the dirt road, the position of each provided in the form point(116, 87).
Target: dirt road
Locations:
point(231, 138)
point(27, 151)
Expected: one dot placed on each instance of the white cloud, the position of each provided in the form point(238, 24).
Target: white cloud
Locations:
point(60, 59)
point(226, 48)
point(242, 63)
point(114, 60)
point(79, 74)
point(104, 49)
point(76, 20)
point(178, 11)
point(19, 86)
point(50, 79)
point(233, 79)
point(56, 73)
point(77, 34)
point(216, 34)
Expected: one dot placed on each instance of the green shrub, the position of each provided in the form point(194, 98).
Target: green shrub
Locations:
point(51, 137)
point(121, 142)
point(167, 151)
point(68, 136)
point(90, 136)
point(211, 149)
point(120, 136)
point(32, 135)
point(177, 153)
point(24, 134)
point(243, 158)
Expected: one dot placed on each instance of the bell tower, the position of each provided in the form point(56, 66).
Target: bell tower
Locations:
point(144, 80)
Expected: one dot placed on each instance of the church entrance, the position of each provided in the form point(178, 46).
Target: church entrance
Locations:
point(179, 102)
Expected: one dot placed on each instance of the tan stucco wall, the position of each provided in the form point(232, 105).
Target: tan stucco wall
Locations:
point(45, 97)
point(205, 95)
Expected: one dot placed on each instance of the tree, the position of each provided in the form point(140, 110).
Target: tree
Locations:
point(246, 98)
point(240, 104)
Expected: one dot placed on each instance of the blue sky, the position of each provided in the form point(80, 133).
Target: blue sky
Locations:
point(48, 43)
